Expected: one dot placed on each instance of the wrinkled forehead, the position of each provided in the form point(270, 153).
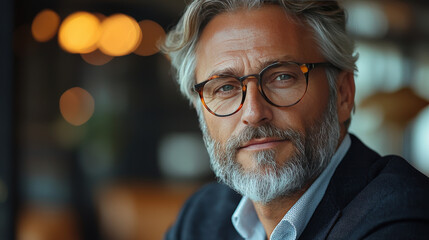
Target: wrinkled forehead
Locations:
point(246, 39)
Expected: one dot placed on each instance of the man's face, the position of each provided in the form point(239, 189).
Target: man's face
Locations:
point(243, 42)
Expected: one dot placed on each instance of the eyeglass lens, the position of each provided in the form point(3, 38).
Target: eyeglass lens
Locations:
point(284, 84)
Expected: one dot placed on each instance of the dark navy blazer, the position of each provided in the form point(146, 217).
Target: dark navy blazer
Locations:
point(368, 197)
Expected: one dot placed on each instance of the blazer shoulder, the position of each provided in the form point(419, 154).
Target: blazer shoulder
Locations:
point(393, 173)
point(408, 186)
point(396, 196)
point(394, 187)
point(363, 171)
point(207, 214)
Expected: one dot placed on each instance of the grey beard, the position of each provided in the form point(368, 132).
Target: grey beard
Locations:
point(270, 180)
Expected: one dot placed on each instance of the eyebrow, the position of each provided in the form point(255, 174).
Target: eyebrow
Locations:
point(284, 58)
point(225, 71)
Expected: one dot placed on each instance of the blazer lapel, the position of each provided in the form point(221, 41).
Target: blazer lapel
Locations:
point(349, 179)
point(324, 218)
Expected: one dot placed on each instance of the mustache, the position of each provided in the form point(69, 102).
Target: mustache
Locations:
point(264, 131)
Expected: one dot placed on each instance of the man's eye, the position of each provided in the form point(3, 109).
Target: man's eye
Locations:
point(226, 88)
point(283, 77)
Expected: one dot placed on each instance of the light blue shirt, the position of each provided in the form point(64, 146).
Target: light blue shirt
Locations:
point(247, 224)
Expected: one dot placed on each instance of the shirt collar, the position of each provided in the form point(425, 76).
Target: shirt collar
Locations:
point(247, 224)
point(246, 221)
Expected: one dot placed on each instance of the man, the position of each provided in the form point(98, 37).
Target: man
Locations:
point(273, 85)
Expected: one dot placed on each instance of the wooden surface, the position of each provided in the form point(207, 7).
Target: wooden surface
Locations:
point(126, 211)
point(141, 211)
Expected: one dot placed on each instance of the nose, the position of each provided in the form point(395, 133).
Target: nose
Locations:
point(256, 110)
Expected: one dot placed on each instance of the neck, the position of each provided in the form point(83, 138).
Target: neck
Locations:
point(270, 214)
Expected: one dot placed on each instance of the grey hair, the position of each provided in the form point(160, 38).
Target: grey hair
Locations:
point(327, 20)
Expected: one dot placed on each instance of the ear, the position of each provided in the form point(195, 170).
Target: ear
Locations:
point(346, 95)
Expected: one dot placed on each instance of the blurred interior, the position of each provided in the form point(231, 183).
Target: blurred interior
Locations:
point(96, 141)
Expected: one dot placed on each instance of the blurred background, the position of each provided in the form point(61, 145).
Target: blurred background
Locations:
point(96, 141)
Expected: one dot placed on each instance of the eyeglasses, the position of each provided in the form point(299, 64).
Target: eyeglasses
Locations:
point(282, 84)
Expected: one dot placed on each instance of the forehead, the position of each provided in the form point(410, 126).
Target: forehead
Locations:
point(243, 40)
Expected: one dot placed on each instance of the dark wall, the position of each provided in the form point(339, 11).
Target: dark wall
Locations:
point(7, 170)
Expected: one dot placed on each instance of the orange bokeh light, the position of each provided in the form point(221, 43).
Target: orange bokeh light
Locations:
point(76, 106)
point(152, 33)
point(120, 35)
point(45, 25)
point(79, 33)
point(100, 16)
point(96, 58)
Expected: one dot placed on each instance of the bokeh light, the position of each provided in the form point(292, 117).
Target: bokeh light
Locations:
point(152, 34)
point(100, 16)
point(79, 33)
point(182, 156)
point(419, 140)
point(367, 19)
point(45, 25)
point(76, 106)
point(96, 58)
point(120, 35)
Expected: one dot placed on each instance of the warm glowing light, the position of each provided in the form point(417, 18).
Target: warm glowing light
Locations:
point(45, 25)
point(79, 33)
point(120, 35)
point(153, 34)
point(76, 106)
point(100, 16)
point(96, 58)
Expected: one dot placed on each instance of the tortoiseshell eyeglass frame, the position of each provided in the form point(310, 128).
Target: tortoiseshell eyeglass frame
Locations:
point(305, 68)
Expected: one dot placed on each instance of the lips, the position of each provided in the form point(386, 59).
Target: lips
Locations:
point(261, 143)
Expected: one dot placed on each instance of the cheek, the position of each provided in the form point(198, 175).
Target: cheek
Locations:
point(292, 117)
point(220, 128)
point(317, 95)
point(304, 114)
